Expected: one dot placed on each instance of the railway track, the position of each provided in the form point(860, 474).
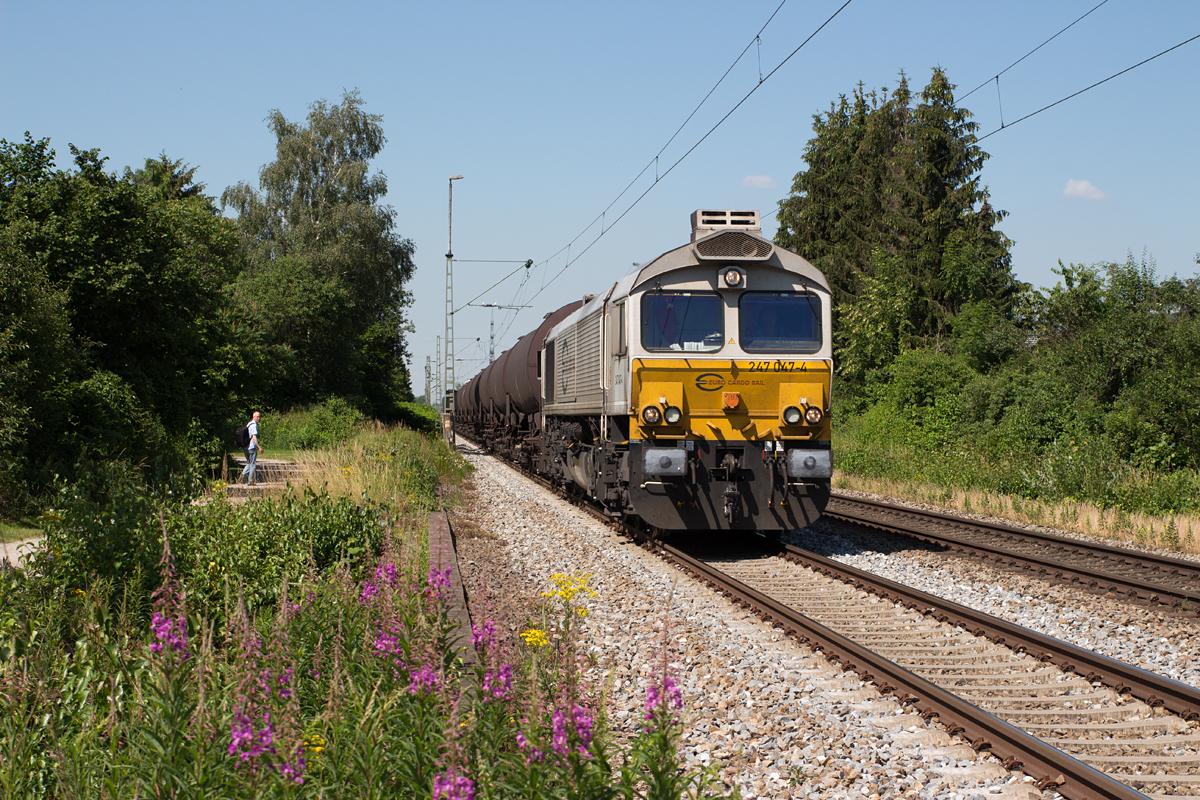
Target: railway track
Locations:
point(1062, 714)
point(1081, 724)
point(1136, 575)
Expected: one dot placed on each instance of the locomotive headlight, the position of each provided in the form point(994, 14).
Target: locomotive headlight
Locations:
point(672, 415)
point(792, 415)
point(812, 415)
point(651, 415)
point(733, 278)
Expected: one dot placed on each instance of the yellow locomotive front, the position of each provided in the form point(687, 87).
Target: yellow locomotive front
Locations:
point(729, 404)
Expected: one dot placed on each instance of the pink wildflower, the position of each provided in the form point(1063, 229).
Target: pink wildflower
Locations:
point(668, 698)
point(497, 685)
point(583, 728)
point(369, 591)
point(171, 632)
point(387, 573)
point(453, 787)
point(483, 636)
point(559, 742)
point(248, 744)
point(532, 754)
point(294, 772)
point(439, 582)
point(424, 681)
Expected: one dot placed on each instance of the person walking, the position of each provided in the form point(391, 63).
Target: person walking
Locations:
point(252, 449)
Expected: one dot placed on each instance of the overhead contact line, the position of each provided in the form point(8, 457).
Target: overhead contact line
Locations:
point(1089, 88)
point(653, 162)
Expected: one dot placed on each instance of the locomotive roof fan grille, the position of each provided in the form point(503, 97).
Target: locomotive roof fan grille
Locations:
point(729, 235)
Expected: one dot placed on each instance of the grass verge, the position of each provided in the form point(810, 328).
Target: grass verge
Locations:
point(19, 531)
point(1179, 532)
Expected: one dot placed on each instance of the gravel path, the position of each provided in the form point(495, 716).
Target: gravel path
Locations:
point(775, 719)
point(15, 552)
point(1155, 640)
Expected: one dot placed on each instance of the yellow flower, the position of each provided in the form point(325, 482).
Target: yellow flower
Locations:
point(314, 744)
point(535, 638)
point(570, 586)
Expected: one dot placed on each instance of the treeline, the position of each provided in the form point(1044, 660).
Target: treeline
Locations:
point(137, 320)
point(952, 370)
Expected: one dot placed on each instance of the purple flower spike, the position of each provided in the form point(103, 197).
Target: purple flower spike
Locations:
point(439, 582)
point(583, 727)
point(668, 697)
point(483, 636)
point(294, 773)
point(532, 754)
point(424, 681)
point(453, 787)
point(387, 574)
point(559, 742)
point(168, 632)
point(247, 743)
point(368, 593)
point(498, 685)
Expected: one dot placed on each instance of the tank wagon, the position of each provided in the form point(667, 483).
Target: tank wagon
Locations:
point(694, 393)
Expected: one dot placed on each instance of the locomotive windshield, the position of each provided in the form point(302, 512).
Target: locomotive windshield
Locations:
point(778, 322)
point(690, 321)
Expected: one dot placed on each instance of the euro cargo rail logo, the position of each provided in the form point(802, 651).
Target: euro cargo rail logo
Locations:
point(709, 382)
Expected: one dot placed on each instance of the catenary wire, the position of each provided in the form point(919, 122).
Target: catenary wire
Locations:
point(1027, 55)
point(1093, 86)
point(697, 144)
point(570, 262)
point(654, 160)
point(685, 155)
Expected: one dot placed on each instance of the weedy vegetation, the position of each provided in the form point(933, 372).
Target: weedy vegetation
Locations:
point(299, 646)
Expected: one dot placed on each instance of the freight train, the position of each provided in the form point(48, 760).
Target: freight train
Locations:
point(692, 394)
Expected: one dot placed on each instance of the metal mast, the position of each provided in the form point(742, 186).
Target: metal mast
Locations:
point(428, 386)
point(449, 385)
point(492, 337)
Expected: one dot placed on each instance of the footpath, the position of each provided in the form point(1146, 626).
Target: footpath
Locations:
point(15, 552)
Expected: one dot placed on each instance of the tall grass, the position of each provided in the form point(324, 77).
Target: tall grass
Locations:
point(1073, 487)
point(394, 466)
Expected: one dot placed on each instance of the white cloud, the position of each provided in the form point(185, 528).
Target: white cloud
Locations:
point(758, 182)
point(1083, 189)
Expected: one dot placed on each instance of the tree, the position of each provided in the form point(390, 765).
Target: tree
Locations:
point(840, 210)
point(173, 180)
point(326, 266)
point(114, 309)
point(901, 180)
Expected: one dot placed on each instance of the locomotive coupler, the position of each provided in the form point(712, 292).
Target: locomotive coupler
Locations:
point(730, 464)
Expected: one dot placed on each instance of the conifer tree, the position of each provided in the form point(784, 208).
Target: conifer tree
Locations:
point(891, 182)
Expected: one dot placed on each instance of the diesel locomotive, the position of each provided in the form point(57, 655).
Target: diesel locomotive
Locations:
point(694, 393)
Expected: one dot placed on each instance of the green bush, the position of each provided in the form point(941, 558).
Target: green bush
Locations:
point(252, 549)
point(420, 417)
point(324, 425)
point(110, 528)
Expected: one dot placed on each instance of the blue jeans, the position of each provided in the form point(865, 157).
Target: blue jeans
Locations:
point(251, 457)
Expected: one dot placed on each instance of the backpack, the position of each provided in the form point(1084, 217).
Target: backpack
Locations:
point(241, 437)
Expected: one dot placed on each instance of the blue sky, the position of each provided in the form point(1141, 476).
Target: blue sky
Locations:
point(550, 109)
